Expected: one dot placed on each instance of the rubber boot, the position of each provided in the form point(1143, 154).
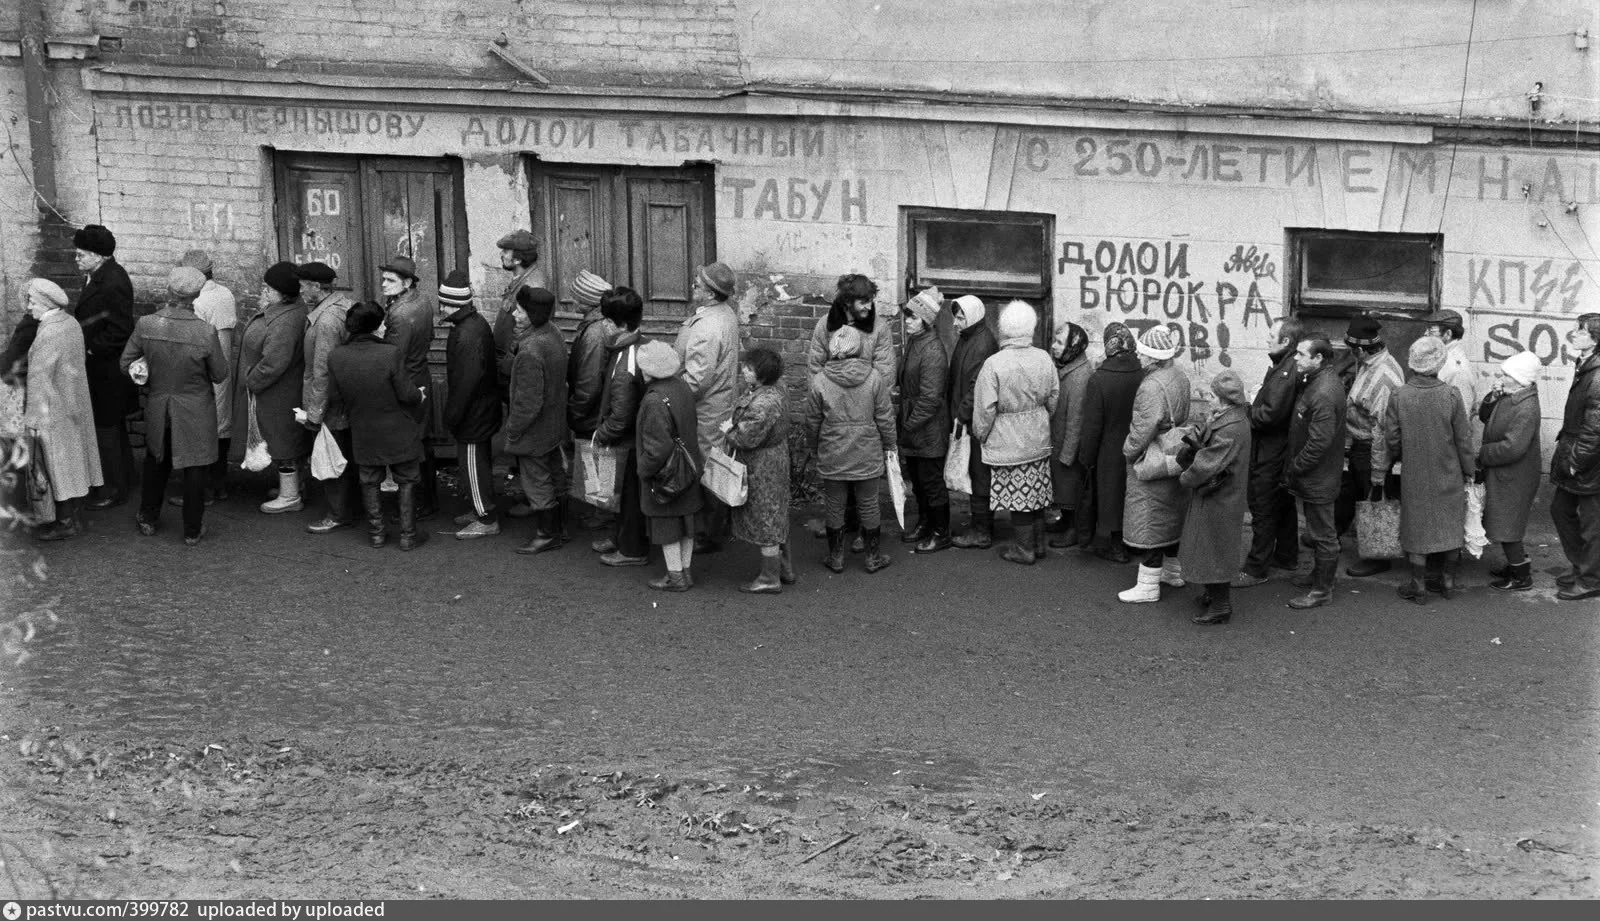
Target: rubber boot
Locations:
point(288, 494)
point(980, 535)
point(372, 501)
point(1041, 540)
point(1449, 580)
point(786, 566)
point(1172, 572)
point(1067, 536)
point(1518, 578)
point(767, 582)
point(1416, 591)
point(1321, 593)
point(1219, 606)
point(939, 538)
point(924, 525)
point(1146, 590)
point(410, 537)
point(835, 558)
point(1023, 548)
point(876, 559)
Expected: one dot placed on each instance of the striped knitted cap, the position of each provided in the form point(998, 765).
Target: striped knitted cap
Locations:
point(456, 290)
point(1157, 343)
point(588, 287)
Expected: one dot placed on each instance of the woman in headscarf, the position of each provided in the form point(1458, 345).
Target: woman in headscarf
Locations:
point(1012, 402)
point(1153, 511)
point(1425, 427)
point(1107, 412)
point(1073, 370)
point(1217, 471)
point(1509, 465)
point(849, 428)
point(58, 409)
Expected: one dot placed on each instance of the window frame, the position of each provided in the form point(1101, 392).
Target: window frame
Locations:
point(991, 285)
point(1345, 304)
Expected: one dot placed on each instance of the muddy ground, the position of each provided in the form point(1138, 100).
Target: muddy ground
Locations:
point(274, 714)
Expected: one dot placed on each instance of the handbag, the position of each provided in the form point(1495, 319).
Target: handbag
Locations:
point(726, 478)
point(256, 455)
point(41, 498)
point(1378, 530)
point(327, 461)
point(679, 472)
point(957, 463)
point(594, 475)
point(1160, 458)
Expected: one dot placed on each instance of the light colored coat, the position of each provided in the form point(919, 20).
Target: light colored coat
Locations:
point(1153, 512)
point(58, 406)
point(324, 333)
point(708, 343)
point(216, 305)
point(1012, 402)
point(849, 420)
point(1510, 461)
point(1425, 428)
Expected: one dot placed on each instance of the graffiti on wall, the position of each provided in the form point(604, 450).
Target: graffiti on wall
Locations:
point(796, 199)
point(703, 138)
point(527, 131)
point(211, 219)
point(268, 119)
point(1524, 285)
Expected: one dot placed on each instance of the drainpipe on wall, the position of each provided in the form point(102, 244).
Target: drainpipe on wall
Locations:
point(53, 258)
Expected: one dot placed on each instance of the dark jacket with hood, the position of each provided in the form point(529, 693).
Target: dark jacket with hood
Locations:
point(924, 420)
point(849, 420)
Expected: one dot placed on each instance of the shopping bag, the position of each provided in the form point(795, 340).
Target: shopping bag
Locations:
point(726, 478)
point(594, 475)
point(41, 498)
point(256, 456)
point(327, 461)
point(897, 486)
point(1474, 534)
point(957, 472)
point(1378, 530)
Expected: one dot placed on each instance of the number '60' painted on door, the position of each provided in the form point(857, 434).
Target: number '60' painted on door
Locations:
point(323, 202)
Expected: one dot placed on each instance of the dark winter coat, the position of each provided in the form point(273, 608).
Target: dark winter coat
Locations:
point(408, 326)
point(367, 379)
point(1316, 439)
point(1272, 411)
point(1107, 412)
point(536, 419)
point(1066, 431)
point(272, 359)
point(1213, 531)
point(472, 403)
point(973, 347)
point(849, 420)
point(1425, 429)
point(105, 311)
point(1510, 460)
point(619, 402)
point(667, 408)
point(185, 358)
point(924, 418)
point(586, 372)
point(1153, 511)
point(760, 438)
point(1575, 466)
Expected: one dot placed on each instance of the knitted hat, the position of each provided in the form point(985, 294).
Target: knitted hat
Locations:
point(197, 259)
point(319, 272)
point(1229, 388)
point(49, 291)
point(1522, 367)
point(1363, 331)
point(404, 266)
point(925, 306)
point(1427, 355)
point(282, 279)
point(96, 239)
point(588, 287)
point(968, 309)
point(455, 291)
point(845, 343)
point(185, 281)
point(717, 277)
point(522, 243)
point(1118, 339)
point(1157, 343)
point(1017, 320)
point(657, 360)
point(1070, 341)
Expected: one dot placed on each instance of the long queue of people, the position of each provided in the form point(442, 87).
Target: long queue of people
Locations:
point(1103, 456)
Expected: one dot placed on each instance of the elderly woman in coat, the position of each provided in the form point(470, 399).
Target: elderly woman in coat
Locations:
point(759, 433)
point(667, 417)
point(1068, 348)
point(1218, 473)
point(58, 409)
point(1107, 412)
point(1012, 403)
point(1155, 506)
point(1425, 427)
point(180, 356)
point(850, 428)
point(1508, 461)
point(924, 421)
point(272, 361)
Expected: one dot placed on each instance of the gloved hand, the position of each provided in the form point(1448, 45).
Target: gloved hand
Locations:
point(1186, 454)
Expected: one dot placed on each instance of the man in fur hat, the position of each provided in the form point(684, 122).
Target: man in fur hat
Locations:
point(105, 310)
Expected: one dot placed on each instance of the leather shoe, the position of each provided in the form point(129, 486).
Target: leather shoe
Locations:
point(1577, 594)
point(1566, 581)
point(105, 502)
point(604, 545)
point(1246, 580)
point(1360, 569)
point(617, 558)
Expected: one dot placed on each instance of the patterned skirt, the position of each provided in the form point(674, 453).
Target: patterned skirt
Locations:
point(1020, 487)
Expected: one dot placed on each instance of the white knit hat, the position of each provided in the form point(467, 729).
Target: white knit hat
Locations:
point(1522, 367)
point(1017, 320)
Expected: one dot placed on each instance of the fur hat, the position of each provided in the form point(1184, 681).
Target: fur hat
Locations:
point(282, 279)
point(1017, 320)
point(1363, 331)
point(456, 290)
point(1229, 388)
point(1427, 355)
point(657, 360)
point(537, 303)
point(717, 277)
point(925, 306)
point(969, 309)
point(845, 343)
point(1522, 367)
point(588, 287)
point(1157, 343)
point(48, 290)
point(185, 281)
point(319, 272)
point(96, 239)
point(197, 259)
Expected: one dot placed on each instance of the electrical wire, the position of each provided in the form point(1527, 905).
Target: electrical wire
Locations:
point(11, 148)
point(1461, 110)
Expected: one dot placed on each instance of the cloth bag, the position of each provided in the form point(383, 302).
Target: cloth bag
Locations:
point(256, 456)
point(897, 486)
point(679, 472)
point(726, 478)
point(1474, 535)
point(327, 461)
point(1378, 530)
point(594, 475)
point(1160, 458)
point(957, 463)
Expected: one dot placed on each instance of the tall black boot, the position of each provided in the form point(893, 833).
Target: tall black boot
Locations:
point(876, 559)
point(835, 558)
point(1416, 591)
point(1219, 607)
point(410, 537)
point(372, 501)
point(924, 524)
point(981, 534)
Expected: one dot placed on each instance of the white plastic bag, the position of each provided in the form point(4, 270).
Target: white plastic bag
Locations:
point(897, 486)
point(327, 461)
point(1475, 537)
point(957, 470)
point(256, 456)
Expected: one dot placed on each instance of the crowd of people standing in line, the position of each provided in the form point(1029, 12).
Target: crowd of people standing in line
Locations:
point(1106, 457)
